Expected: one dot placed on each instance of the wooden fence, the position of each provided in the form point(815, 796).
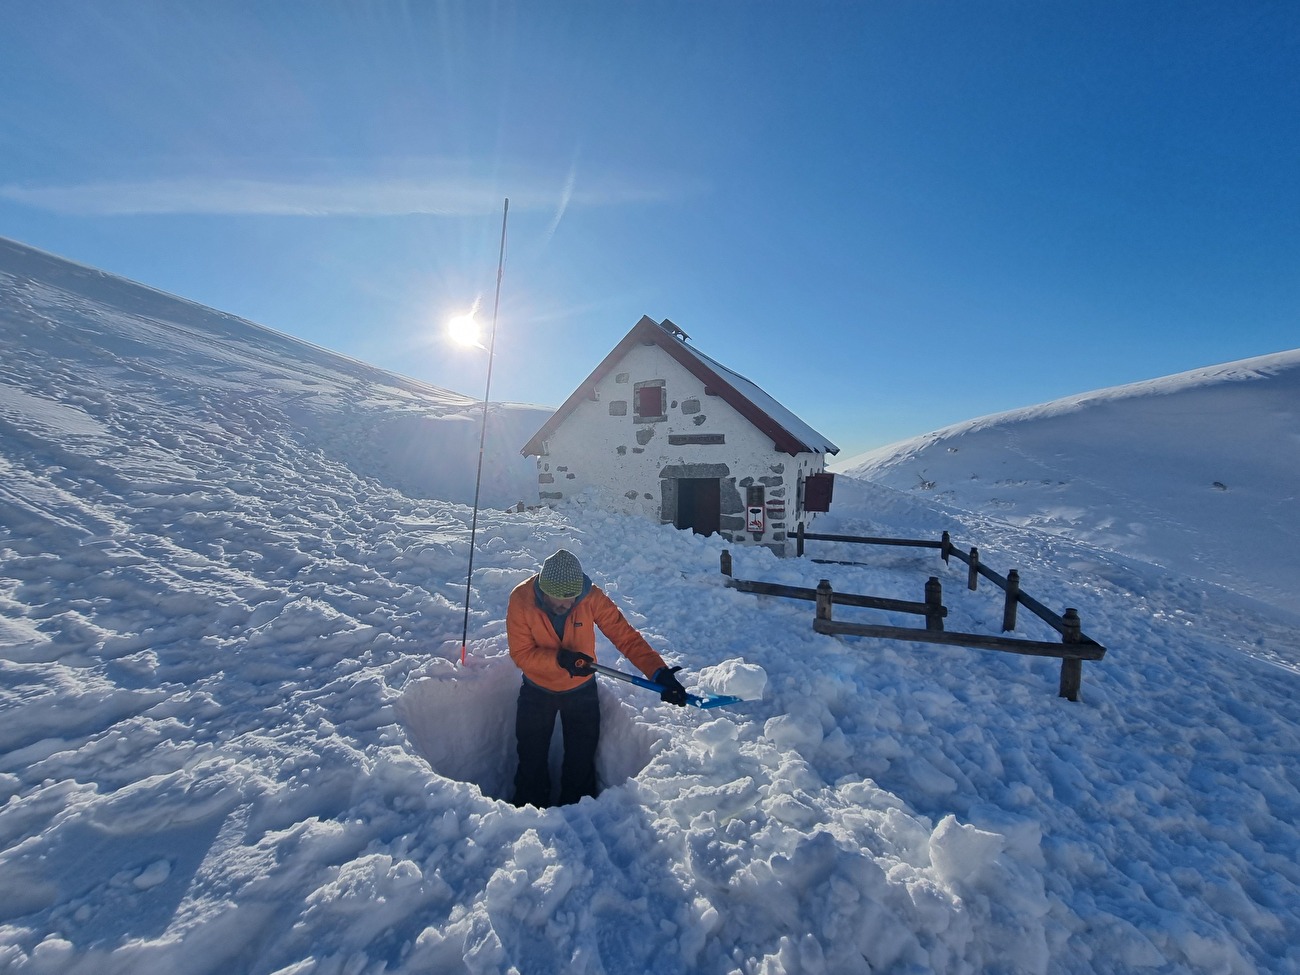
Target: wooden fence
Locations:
point(1074, 648)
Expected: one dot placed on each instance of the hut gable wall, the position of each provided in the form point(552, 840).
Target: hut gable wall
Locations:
point(640, 462)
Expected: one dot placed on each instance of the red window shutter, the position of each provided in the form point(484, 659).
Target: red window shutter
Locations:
point(650, 401)
point(817, 491)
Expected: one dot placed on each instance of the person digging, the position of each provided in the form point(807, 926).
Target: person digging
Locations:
point(551, 620)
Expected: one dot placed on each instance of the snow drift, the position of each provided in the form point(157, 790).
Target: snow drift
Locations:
point(1196, 472)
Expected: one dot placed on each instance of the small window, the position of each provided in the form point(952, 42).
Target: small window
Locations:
point(648, 402)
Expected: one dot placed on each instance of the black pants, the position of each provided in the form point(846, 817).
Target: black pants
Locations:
point(579, 712)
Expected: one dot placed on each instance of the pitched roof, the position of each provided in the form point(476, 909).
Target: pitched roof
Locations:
point(789, 433)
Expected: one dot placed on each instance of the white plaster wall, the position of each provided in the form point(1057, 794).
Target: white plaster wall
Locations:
point(594, 449)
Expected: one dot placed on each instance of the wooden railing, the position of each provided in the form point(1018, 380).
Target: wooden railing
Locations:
point(1074, 648)
point(932, 608)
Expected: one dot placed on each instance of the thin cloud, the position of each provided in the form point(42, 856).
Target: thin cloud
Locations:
point(566, 197)
point(379, 196)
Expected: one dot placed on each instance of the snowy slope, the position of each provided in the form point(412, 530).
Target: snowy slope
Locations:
point(233, 738)
point(104, 329)
point(1146, 469)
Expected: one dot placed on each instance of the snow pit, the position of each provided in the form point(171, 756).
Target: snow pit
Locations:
point(462, 722)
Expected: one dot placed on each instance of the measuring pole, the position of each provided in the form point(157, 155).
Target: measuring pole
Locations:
point(482, 440)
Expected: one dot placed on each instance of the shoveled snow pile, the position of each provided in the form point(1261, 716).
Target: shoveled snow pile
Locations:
point(235, 737)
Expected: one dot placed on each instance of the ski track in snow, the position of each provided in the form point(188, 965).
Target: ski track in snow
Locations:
point(233, 736)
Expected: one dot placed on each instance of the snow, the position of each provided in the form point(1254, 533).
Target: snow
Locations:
point(764, 400)
point(1146, 470)
point(235, 737)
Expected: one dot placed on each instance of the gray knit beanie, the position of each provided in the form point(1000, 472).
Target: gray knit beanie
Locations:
point(561, 576)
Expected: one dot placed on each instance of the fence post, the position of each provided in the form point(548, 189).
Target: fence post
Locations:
point(933, 604)
point(1071, 667)
point(798, 537)
point(1013, 600)
point(726, 561)
point(945, 547)
point(824, 594)
point(973, 577)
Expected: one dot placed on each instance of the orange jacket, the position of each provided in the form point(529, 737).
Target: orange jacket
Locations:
point(534, 643)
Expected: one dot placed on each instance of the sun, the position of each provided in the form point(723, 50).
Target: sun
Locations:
point(464, 330)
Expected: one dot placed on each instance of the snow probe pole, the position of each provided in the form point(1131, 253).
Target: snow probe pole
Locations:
point(694, 700)
point(482, 440)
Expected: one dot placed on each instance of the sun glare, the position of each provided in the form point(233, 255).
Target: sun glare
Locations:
point(463, 330)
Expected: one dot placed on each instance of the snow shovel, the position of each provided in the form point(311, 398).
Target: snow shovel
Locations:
point(694, 700)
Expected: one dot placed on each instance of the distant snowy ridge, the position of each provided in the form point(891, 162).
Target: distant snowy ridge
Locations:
point(378, 423)
point(29, 265)
point(1241, 370)
point(1217, 448)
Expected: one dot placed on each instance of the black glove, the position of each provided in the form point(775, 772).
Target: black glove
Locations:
point(577, 664)
point(674, 693)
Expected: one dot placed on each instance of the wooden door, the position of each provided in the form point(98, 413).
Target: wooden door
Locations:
point(699, 504)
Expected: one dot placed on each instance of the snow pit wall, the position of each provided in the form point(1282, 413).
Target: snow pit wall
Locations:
point(463, 724)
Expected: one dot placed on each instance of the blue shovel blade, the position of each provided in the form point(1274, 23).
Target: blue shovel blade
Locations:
point(712, 701)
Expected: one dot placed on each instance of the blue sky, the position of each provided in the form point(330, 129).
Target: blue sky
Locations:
point(891, 215)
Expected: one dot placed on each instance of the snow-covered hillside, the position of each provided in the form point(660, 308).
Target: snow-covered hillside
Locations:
point(233, 737)
point(109, 335)
point(1198, 472)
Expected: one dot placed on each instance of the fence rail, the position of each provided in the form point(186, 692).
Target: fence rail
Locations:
point(1074, 648)
point(840, 598)
point(867, 540)
point(1031, 648)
